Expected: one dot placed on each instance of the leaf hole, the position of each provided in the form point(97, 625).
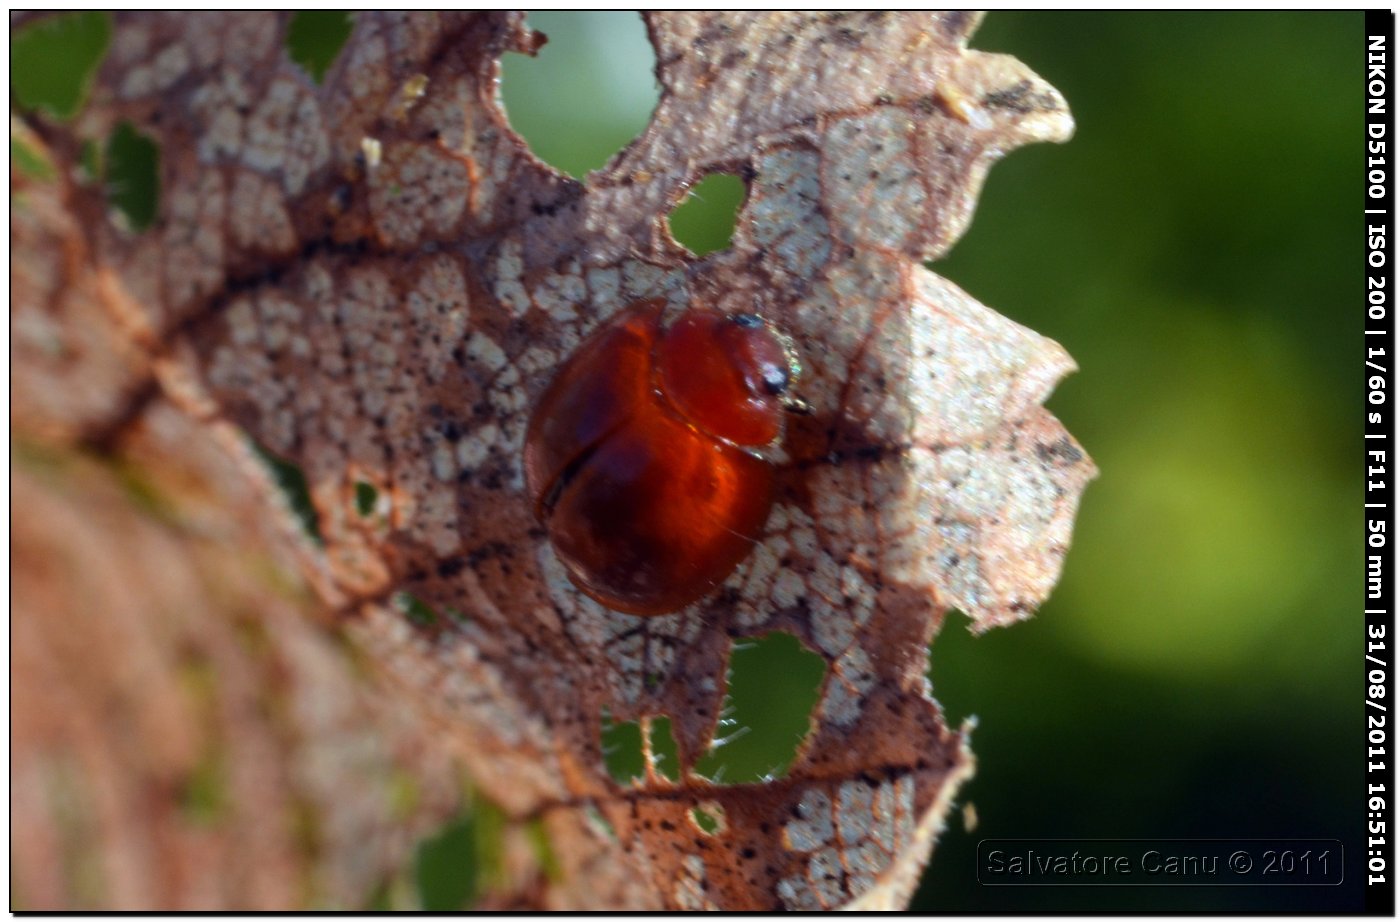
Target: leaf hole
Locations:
point(366, 498)
point(381, 898)
point(90, 161)
point(774, 684)
point(587, 93)
point(418, 612)
point(705, 221)
point(542, 849)
point(953, 671)
point(447, 866)
point(708, 817)
point(659, 747)
point(291, 481)
point(31, 161)
point(203, 794)
point(628, 747)
point(315, 37)
point(52, 61)
point(133, 176)
point(621, 744)
point(600, 822)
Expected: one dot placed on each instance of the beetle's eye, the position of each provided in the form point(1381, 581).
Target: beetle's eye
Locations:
point(775, 379)
point(748, 321)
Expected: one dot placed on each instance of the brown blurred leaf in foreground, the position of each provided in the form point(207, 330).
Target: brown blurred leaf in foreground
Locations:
point(372, 278)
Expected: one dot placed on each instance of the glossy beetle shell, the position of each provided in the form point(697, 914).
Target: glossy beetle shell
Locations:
point(644, 457)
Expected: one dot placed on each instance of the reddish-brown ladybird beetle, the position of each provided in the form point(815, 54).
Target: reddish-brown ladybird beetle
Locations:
point(646, 455)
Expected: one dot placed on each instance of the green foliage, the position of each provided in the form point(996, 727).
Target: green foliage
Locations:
point(447, 866)
point(29, 161)
point(665, 760)
point(133, 176)
point(543, 849)
point(774, 683)
point(587, 93)
point(52, 61)
point(704, 222)
point(415, 609)
point(365, 498)
point(623, 753)
point(90, 160)
point(1194, 247)
point(315, 37)
point(708, 818)
point(203, 795)
point(292, 482)
point(463, 859)
point(622, 749)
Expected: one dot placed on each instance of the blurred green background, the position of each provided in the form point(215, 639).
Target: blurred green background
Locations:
point(1196, 248)
point(1198, 671)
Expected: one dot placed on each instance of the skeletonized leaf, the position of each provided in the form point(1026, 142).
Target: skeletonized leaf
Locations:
point(373, 278)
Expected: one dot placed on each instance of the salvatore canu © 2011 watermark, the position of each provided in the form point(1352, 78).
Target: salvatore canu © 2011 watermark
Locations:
point(1159, 862)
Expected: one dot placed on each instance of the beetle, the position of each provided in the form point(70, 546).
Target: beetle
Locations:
point(649, 456)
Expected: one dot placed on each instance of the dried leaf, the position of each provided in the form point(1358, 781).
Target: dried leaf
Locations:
point(184, 737)
point(373, 278)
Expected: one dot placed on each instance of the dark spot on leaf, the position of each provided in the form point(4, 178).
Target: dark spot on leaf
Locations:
point(957, 22)
point(926, 105)
point(1062, 452)
point(1020, 99)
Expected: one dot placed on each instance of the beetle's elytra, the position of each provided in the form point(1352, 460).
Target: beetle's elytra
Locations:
point(645, 456)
